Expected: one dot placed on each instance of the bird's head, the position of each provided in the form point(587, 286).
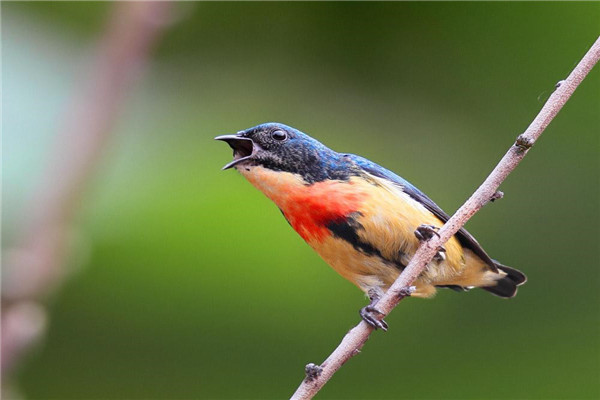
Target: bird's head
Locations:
point(279, 147)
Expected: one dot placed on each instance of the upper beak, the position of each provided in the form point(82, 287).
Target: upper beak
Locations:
point(243, 148)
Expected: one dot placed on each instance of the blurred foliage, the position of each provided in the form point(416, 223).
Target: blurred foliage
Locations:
point(194, 286)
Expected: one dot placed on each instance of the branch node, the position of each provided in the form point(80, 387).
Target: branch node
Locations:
point(312, 371)
point(497, 196)
point(559, 83)
point(523, 143)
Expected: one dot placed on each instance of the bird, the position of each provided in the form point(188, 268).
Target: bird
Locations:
point(365, 221)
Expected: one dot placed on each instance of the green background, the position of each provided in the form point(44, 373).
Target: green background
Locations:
point(191, 284)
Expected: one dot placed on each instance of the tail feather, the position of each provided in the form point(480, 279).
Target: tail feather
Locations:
point(507, 285)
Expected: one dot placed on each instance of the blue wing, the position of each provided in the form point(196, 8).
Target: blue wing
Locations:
point(465, 238)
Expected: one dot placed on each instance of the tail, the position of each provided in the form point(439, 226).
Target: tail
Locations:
point(507, 285)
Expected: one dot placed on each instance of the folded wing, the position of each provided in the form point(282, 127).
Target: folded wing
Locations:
point(464, 237)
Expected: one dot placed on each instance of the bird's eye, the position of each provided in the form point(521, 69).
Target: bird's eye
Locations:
point(279, 135)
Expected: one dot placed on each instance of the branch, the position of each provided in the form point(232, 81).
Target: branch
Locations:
point(356, 338)
point(35, 266)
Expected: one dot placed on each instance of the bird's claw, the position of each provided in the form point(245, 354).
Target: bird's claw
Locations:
point(312, 371)
point(440, 255)
point(406, 291)
point(425, 232)
point(368, 314)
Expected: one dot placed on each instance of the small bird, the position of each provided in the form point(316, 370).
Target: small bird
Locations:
point(365, 221)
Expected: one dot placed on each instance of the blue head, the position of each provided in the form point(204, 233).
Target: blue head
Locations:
point(282, 148)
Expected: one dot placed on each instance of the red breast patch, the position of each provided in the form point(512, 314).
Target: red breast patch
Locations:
point(310, 208)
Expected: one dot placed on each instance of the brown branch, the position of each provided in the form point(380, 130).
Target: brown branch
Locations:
point(35, 267)
point(356, 338)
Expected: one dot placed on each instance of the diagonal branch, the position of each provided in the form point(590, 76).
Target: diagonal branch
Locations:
point(356, 338)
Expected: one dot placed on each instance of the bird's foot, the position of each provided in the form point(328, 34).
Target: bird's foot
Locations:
point(425, 232)
point(407, 291)
point(369, 315)
point(440, 255)
point(312, 371)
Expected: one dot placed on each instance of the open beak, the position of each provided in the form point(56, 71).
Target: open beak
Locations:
point(243, 148)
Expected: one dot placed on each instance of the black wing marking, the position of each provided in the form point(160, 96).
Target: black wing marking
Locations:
point(464, 237)
point(347, 229)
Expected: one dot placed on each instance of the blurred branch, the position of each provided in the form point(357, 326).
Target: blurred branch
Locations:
point(356, 338)
point(35, 267)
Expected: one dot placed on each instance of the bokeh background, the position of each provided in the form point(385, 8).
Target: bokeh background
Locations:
point(186, 282)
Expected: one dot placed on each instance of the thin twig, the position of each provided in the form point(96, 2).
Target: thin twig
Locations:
point(35, 266)
point(356, 338)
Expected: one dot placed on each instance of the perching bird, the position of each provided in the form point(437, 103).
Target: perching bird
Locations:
point(365, 221)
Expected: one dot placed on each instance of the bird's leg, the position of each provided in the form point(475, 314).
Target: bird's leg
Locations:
point(369, 313)
point(424, 233)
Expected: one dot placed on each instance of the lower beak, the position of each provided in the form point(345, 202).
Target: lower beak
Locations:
point(243, 148)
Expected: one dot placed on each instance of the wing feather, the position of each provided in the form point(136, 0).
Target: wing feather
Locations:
point(464, 237)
